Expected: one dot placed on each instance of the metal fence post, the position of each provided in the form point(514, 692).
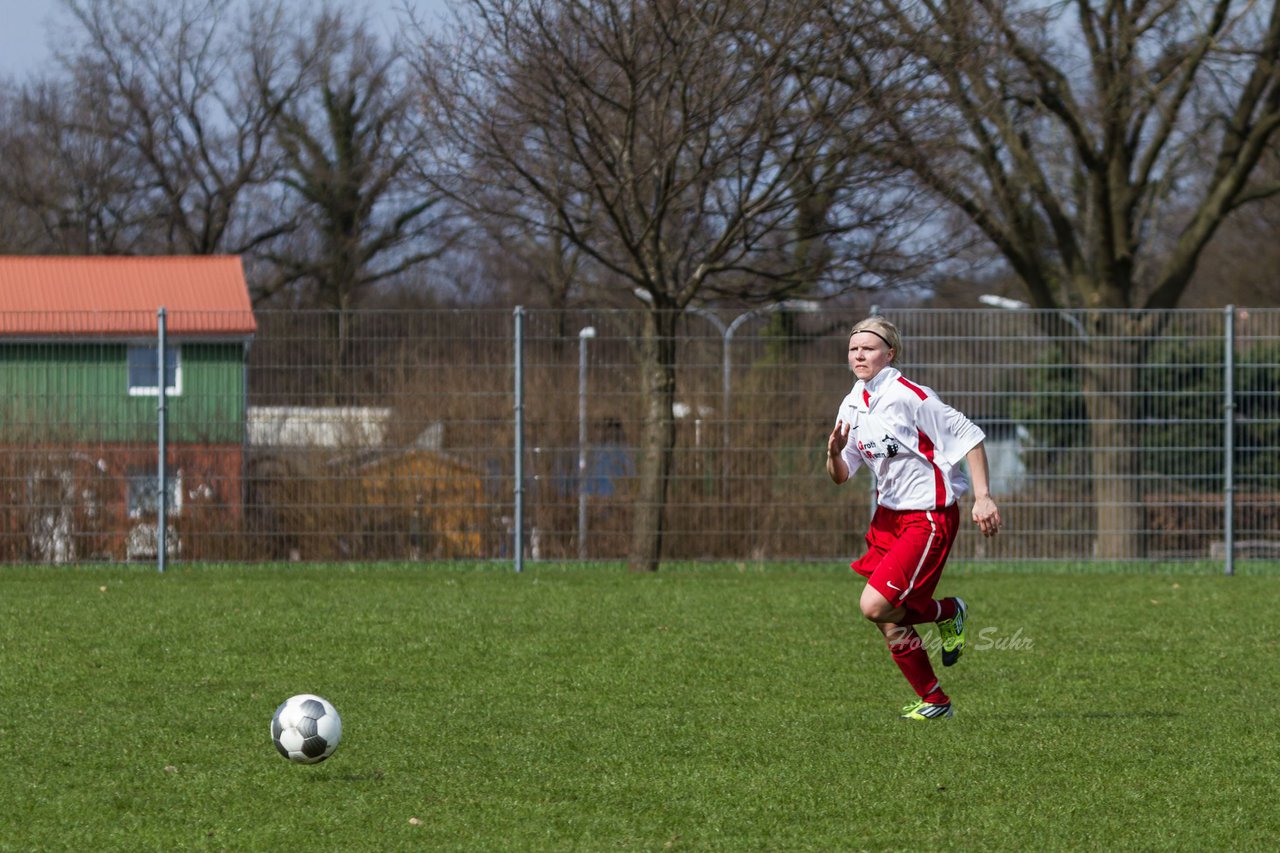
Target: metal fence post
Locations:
point(585, 335)
point(519, 437)
point(1229, 438)
point(161, 405)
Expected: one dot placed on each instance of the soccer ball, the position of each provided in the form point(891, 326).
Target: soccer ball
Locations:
point(306, 729)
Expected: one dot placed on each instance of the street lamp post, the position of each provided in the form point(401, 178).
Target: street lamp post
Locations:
point(727, 331)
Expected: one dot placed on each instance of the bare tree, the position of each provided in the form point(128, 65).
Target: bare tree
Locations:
point(1239, 265)
point(66, 182)
point(350, 153)
point(1098, 147)
point(676, 148)
point(519, 245)
point(192, 94)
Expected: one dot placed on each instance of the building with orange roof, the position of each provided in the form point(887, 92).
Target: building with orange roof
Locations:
point(79, 404)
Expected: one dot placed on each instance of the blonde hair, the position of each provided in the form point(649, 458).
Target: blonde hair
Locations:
point(882, 329)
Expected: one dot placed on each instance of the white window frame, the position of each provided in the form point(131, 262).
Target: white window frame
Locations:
point(134, 477)
point(173, 351)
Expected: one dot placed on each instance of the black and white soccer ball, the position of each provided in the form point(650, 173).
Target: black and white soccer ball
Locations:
point(306, 729)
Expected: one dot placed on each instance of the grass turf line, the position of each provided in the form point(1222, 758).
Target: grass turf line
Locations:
point(585, 708)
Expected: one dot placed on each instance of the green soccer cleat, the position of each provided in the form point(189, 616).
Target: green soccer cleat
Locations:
point(951, 632)
point(922, 710)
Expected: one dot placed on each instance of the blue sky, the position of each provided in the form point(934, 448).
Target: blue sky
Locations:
point(24, 36)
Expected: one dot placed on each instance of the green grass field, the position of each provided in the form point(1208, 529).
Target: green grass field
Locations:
point(583, 708)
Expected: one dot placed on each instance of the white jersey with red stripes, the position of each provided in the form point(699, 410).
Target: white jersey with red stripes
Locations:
point(911, 440)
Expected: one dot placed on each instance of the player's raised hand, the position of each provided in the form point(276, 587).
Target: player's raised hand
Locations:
point(838, 439)
point(837, 468)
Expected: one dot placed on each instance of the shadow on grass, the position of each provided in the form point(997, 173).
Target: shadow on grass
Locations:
point(347, 778)
point(1086, 715)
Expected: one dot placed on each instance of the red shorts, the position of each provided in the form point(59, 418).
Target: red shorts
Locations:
point(906, 550)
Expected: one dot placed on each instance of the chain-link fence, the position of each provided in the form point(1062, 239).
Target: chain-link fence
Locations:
point(381, 435)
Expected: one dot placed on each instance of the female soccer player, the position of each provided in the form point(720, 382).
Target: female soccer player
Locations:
point(913, 443)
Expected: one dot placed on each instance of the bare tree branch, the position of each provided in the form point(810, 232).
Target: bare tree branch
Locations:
point(676, 146)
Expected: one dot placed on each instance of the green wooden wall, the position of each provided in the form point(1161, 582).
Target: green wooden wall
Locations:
point(79, 392)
